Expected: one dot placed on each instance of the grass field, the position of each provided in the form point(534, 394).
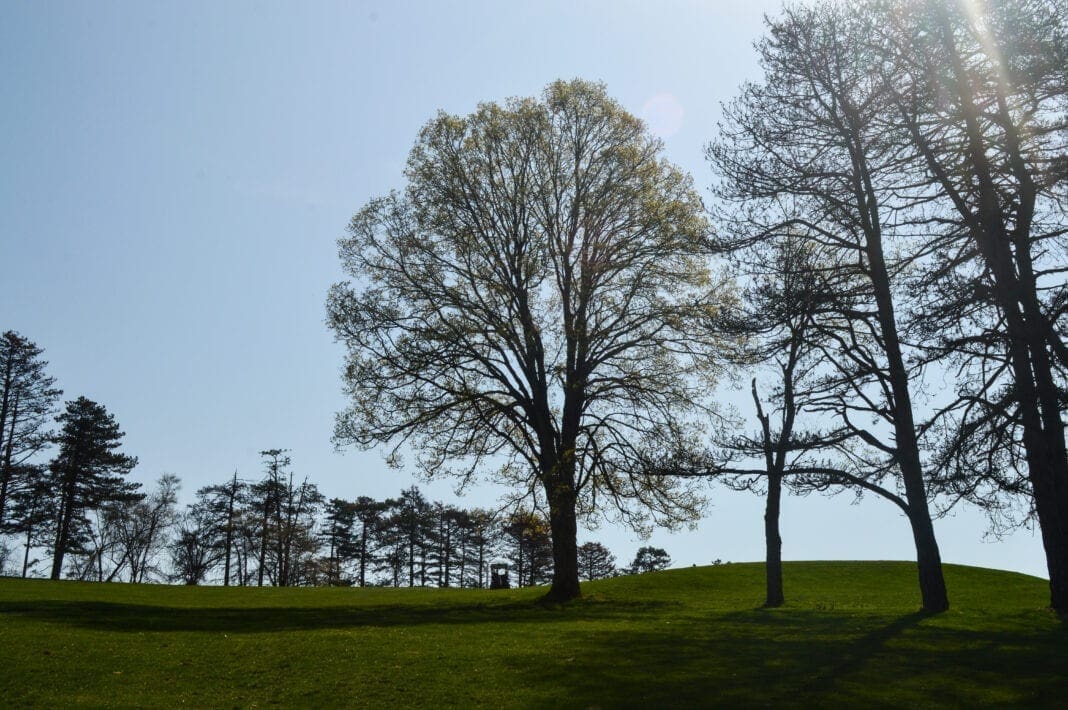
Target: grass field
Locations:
point(850, 634)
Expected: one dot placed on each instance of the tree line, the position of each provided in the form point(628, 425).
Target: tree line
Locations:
point(549, 302)
point(79, 512)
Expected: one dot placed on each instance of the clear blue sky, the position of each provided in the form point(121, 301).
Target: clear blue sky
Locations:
point(174, 176)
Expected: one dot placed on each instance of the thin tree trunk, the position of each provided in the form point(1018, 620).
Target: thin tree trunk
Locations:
point(773, 541)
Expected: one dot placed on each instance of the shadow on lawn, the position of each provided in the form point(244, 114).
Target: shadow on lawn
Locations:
point(111, 616)
point(804, 659)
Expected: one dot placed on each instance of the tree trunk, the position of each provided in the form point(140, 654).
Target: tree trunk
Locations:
point(63, 533)
point(26, 554)
point(1014, 288)
point(363, 554)
point(928, 563)
point(773, 563)
point(932, 584)
point(564, 526)
point(5, 465)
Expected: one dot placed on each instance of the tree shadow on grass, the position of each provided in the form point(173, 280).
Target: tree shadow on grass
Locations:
point(120, 617)
point(804, 659)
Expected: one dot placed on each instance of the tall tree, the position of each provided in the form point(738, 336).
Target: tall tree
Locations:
point(537, 296)
point(805, 152)
point(27, 401)
point(976, 96)
point(87, 473)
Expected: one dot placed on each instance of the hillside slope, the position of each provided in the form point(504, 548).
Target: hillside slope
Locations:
point(849, 634)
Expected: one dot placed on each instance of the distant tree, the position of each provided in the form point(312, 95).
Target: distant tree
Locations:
point(27, 401)
point(339, 520)
point(195, 550)
point(534, 306)
point(528, 545)
point(596, 561)
point(264, 505)
point(368, 513)
point(411, 525)
point(31, 515)
point(219, 508)
point(295, 540)
point(650, 559)
point(87, 473)
point(142, 527)
point(481, 545)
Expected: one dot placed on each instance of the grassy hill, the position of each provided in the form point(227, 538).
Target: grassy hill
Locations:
point(850, 634)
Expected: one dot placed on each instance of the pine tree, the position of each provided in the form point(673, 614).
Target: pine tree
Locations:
point(27, 400)
point(595, 561)
point(87, 473)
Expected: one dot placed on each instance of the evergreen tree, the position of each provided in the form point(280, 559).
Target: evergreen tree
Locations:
point(337, 535)
point(650, 559)
point(369, 513)
point(529, 547)
point(219, 509)
point(87, 473)
point(595, 561)
point(27, 400)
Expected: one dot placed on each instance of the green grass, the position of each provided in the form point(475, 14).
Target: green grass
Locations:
point(850, 634)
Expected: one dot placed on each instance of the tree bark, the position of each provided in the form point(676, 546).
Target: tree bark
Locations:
point(564, 526)
point(773, 561)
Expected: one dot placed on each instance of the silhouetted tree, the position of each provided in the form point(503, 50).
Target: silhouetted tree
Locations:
point(339, 520)
point(528, 545)
point(596, 561)
point(537, 296)
point(87, 473)
point(650, 559)
point(481, 544)
point(142, 527)
point(976, 93)
point(31, 515)
point(219, 508)
point(27, 401)
point(195, 550)
point(805, 152)
point(368, 513)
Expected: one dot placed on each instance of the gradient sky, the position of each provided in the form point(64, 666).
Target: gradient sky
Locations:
point(174, 177)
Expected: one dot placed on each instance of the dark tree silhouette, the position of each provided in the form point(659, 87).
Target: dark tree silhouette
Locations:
point(650, 559)
point(87, 473)
point(596, 561)
point(528, 546)
point(27, 401)
point(195, 549)
point(805, 151)
point(976, 96)
point(218, 510)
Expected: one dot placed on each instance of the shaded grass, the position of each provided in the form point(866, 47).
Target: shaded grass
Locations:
point(849, 635)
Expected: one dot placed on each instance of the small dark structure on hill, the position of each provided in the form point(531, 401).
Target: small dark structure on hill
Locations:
point(499, 575)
